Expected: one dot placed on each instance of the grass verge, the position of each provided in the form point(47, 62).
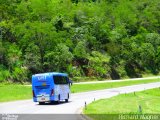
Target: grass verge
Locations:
point(19, 92)
point(14, 92)
point(98, 86)
point(144, 102)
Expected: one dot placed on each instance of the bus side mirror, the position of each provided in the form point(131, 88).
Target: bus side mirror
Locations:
point(70, 82)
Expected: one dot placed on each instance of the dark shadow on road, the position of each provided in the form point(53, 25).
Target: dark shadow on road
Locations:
point(54, 103)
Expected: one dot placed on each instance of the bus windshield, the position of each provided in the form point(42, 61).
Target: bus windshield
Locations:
point(60, 79)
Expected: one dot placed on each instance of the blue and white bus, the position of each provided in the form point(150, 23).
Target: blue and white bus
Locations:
point(49, 87)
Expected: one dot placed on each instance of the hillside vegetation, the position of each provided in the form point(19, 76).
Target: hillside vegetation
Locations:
point(101, 38)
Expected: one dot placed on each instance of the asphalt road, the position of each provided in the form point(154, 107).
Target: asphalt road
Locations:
point(75, 104)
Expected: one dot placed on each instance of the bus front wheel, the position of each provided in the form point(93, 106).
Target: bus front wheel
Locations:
point(66, 100)
point(58, 99)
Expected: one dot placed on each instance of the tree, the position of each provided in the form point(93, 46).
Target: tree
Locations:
point(59, 59)
point(98, 64)
point(32, 58)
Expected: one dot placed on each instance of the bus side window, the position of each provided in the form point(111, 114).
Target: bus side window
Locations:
point(60, 80)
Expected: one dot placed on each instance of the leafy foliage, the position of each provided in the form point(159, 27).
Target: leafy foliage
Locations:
point(101, 38)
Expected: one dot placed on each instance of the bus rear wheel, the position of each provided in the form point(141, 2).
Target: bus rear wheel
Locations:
point(41, 103)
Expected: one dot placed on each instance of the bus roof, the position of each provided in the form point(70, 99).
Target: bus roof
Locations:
point(51, 74)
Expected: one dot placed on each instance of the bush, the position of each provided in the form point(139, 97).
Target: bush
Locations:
point(20, 74)
point(4, 74)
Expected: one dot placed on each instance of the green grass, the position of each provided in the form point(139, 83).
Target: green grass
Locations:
point(98, 86)
point(14, 92)
point(149, 100)
point(85, 79)
point(18, 92)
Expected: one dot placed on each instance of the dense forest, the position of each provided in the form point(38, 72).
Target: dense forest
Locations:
point(101, 38)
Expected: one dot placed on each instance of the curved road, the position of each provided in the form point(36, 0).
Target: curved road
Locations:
point(75, 104)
